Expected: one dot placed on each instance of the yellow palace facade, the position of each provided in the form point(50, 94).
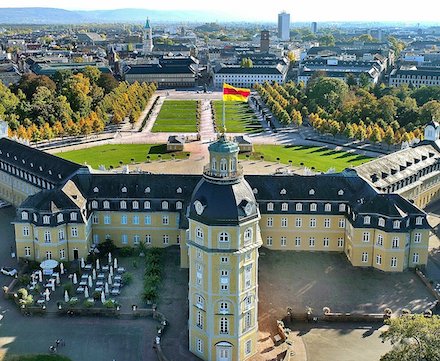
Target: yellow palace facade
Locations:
point(219, 220)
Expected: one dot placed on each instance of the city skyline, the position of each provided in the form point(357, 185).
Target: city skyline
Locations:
point(338, 10)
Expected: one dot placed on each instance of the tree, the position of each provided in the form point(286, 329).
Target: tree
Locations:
point(296, 117)
point(77, 90)
point(92, 73)
point(414, 338)
point(291, 56)
point(376, 135)
point(364, 80)
point(107, 82)
point(351, 80)
point(430, 111)
point(29, 83)
point(328, 93)
point(389, 136)
point(246, 63)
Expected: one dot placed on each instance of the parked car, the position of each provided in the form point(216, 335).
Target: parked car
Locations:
point(9, 271)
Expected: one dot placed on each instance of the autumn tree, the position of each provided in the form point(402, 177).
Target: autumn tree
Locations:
point(414, 338)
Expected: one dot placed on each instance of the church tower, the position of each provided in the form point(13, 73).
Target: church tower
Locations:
point(148, 38)
point(223, 243)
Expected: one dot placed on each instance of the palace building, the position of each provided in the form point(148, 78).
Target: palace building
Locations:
point(220, 220)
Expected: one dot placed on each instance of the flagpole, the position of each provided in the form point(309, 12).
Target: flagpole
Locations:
point(224, 120)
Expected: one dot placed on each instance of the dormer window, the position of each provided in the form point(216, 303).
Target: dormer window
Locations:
point(396, 224)
point(46, 220)
point(60, 217)
point(214, 164)
point(255, 191)
point(106, 204)
point(299, 207)
point(50, 172)
point(135, 205)
point(40, 168)
point(164, 205)
point(24, 216)
point(147, 205)
point(179, 190)
point(285, 207)
point(283, 191)
point(340, 192)
point(328, 207)
point(94, 204)
point(124, 190)
point(96, 189)
point(367, 220)
point(311, 192)
point(73, 216)
point(381, 222)
point(178, 205)
point(313, 207)
point(147, 190)
point(123, 205)
point(270, 206)
point(342, 207)
point(419, 221)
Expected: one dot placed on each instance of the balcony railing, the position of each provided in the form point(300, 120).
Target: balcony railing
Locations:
point(226, 175)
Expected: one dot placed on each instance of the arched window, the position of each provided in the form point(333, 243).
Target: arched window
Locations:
point(248, 235)
point(124, 190)
point(164, 205)
point(285, 207)
point(367, 220)
point(233, 164)
point(106, 204)
point(223, 306)
point(200, 302)
point(313, 207)
point(123, 205)
point(223, 237)
point(60, 217)
point(24, 216)
point(147, 205)
point(381, 222)
point(328, 207)
point(223, 165)
point(299, 207)
point(135, 205)
point(147, 190)
point(96, 189)
point(311, 192)
point(342, 207)
point(94, 204)
point(224, 325)
point(46, 219)
point(199, 233)
point(178, 205)
point(214, 164)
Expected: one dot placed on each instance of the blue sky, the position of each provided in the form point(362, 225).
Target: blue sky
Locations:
point(300, 10)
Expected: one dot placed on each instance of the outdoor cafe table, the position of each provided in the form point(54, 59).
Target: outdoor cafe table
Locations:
point(98, 289)
point(105, 268)
point(118, 278)
point(88, 267)
point(120, 270)
point(99, 283)
point(115, 291)
point(117, 284)
point(41, 301)
point(83, 283)
point(85, 276)
point(80, 289)
point(101, 276)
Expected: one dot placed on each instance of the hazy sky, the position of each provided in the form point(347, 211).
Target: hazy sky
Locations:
point(300, 10)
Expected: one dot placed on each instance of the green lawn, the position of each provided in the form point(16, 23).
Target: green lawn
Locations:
point(321, 158)
point(112, 154)
point(37, 358)
point(240, 118)
point(177, 116)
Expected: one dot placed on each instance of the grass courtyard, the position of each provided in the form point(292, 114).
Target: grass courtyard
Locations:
point(177, 116)
point(321, 158)
point(239, 117)
point(112, 154)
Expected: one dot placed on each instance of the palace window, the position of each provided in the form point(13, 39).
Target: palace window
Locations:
point(135, 219)
point(326, 242)
point(312, 222)
point(379, 240)
point(313, 207)
point(270, 206)
point(24, 216)
point(199, 345)
point(417, 237)
point(395, 243)
point(61, 234)
point(199, 233)
point(393, 262)
point(381, 222)
point(297, 241)
point(224, 325)
point(106, 205)
point(378, 259)
point(340, 242)
point(46, 219)
point(199, 319)
point(62, 253)
point(328, 207)
point(147, 205)
point(178, 205)
point(224, 307)
point(269, 221)
point(269, 241)
point(223, 237)
point(299, 207)
point(147, 220)
point(419, 221)
point(366, 237)
point(312, 242)
point(124, 239)
point(136, 239)
point(27, 251)
point(148, 238)
point(248, 236)
point(165, 220)
point(107, 219)
point(416, 258)
point(124, 219)
point(364, 257)
point(342, 207)
point(135, 205)
point(327, 223)
point(341, 223)
point(367, 220)
point(285, 207)
point(25, 231)
point(74, 232)
point(284, 222)
point(164, 205)
point(94, 204)
point(298, 222)
point(396, 224)
point(47, 236)
point(283, 241)
point(123, 205)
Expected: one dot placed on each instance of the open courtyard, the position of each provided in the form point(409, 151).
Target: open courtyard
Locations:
point(177, 116)
point(240, 118)
point(316, 158)
point(116, 154)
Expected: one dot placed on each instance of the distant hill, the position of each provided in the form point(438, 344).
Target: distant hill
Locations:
point(60, 16)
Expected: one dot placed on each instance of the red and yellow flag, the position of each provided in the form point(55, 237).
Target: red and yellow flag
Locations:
point(231, 93)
